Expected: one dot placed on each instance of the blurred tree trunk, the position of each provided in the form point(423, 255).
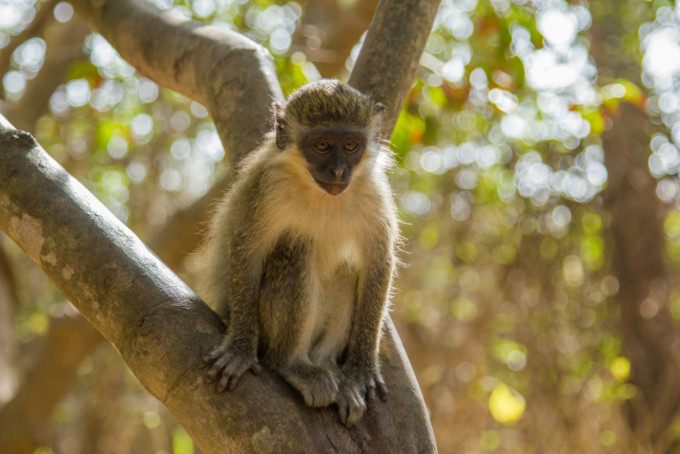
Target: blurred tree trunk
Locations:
point(330, 30)
point(637, 258)
point(42, 19)
point(64, 46)
point(69, 340)
point(8, 305)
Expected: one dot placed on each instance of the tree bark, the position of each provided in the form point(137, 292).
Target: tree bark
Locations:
point(134, 300)
point(391, 53)
point(231, 75)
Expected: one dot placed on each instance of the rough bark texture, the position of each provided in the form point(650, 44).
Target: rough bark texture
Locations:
point(391, 53)
point(161, 328)
point(135, 301)
point(232, 76)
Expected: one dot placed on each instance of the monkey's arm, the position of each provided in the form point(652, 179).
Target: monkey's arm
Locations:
point(361, 368)
point(237, 352)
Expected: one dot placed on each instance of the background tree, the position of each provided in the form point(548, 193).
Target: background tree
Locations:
point(537, 179)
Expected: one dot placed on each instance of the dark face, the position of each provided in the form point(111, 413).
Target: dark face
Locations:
point(332, 154)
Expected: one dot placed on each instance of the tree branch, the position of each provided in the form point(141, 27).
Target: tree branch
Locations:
point(391, 52)
point(162, 329)
point(231, 75)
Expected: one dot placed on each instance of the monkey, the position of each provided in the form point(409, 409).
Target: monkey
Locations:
point(300, 255)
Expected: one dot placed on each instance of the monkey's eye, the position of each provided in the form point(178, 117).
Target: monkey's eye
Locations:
point(322, 145)
point(350, 145)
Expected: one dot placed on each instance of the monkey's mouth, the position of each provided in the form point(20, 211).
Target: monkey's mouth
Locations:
point(332, 188)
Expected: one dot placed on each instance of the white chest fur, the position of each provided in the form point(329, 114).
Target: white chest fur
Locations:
point(335, 227)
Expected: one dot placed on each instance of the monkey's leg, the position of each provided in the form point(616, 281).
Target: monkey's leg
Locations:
point(237, 352)
point(362, 379)
point(338, 298)
point(289, 318)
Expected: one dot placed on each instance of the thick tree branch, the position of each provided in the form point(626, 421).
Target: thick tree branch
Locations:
point(231, 75)
point(391, 53)
point(162, 329)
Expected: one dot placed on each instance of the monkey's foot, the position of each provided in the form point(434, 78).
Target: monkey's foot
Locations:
point(351, 403)
point(226, 365)
point(318, 385)
point(355, 390)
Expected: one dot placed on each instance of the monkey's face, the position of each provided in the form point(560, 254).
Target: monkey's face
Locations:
point(333, 154)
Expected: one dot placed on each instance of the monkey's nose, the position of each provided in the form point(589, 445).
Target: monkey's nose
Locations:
point(338, 172)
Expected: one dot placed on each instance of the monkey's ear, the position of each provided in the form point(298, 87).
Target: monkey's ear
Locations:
point(280, 126)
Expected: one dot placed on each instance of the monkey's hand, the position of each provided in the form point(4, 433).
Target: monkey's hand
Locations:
point(358, 387)
point(227, 362)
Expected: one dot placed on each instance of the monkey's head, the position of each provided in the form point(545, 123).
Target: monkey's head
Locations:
point(332, 125)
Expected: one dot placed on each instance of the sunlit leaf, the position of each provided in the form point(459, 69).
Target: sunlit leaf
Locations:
point(505, 404)
point(620, 368)
point(181, 442)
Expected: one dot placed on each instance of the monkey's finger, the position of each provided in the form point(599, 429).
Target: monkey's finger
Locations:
point(224, 383)
point(256, 368)
point(206, 361)
point(217, 369)
point(213, 372)
point(343, 408)
point(211, 375)
point(356, 411)
point(211, 357)
point(370, 395)
point(381, 389)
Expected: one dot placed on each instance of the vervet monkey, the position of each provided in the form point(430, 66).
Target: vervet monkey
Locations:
point(300, 255)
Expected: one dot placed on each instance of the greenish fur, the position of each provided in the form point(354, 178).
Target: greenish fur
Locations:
point(330, 102)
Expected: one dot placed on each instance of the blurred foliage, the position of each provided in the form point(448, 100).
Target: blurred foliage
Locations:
point(504, 301)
